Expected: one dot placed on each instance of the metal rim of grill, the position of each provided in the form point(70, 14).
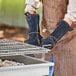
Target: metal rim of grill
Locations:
point(12, 47)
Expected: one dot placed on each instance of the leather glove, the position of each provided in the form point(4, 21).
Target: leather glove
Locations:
point(49, 42)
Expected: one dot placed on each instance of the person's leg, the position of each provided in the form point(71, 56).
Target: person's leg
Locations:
point(34, 31)
point(51, 68)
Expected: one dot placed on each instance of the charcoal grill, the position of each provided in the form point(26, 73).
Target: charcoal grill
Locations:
point(14, 50)
point(32, 67)
point(12, 47)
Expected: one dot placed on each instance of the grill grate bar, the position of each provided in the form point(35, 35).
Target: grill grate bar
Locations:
point(12, 47)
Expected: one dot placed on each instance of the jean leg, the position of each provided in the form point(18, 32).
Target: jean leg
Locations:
point(51, 68)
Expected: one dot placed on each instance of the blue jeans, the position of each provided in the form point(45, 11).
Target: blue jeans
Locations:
point(51, 68)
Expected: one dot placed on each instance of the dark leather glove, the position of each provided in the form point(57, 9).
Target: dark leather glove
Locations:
point(49, 42)
point(61, 29)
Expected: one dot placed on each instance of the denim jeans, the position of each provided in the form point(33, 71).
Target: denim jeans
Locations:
point(51, 68)
point(71, 10)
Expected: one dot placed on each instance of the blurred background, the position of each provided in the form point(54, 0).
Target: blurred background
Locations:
point(12, 19)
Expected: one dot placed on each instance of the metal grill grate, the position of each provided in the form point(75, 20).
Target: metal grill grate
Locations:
point(12, 47)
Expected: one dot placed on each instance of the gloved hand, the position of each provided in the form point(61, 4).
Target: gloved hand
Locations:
point(49, 42)
point(61, 29)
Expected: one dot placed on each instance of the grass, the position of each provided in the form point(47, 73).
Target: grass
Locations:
point(12, 12)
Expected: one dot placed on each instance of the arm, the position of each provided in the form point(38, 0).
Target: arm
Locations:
point(63, 26)
point(31, 6)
